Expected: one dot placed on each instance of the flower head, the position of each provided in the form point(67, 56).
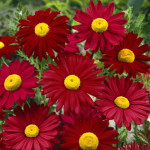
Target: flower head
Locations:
point(31, 128)
point(71, 82)
point(128, 56)
point(16, 83)
point(124, 102)
point(6, 47)
point(99, 27)
point(42, 33)
point(87, 131)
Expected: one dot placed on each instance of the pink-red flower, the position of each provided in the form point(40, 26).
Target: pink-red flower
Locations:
point(99, 27)
point(42, 33)
point(134, 146)
point(2, 145)
point(87, 130)
point(71, 45)
point(72, 82)
point(8, 46)
point(124, 101)
point(33, 128)
point(128, 56)
point(16, 83)
point(2, 114)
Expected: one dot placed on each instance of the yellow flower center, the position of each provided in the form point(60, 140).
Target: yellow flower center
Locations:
point(88, 141)
point(126, 55)
point(41, 29)
point(72, 82)
point(31, 130)
point(122, 102)
point(1, 45)
point(99, 25)
point(12, 82)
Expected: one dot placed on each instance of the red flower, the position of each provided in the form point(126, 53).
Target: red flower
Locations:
point(6, 46)
point(42, 32)
point(134, 146)
point(87, 131)
point(31, 128)
point(2, 114)
point(2, 145)
point(128, 56)
point(124, 102)
point(16, 83)
point(71, 45)
point(99, 27)
point(71, 83)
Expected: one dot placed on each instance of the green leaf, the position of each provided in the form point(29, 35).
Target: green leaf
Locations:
point(123, 133)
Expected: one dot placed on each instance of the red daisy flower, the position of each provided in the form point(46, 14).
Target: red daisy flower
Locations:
point(99, 27)
point(6, 46)
point(124, 101)
point(128, 56)
point(71, 83)
point(43, 32)
point(71, 45)
point(134, 146)
point(16, 83)
point(87, 131)
point(31, 128)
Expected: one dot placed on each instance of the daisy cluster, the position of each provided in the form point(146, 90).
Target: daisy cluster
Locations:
point(71, 82)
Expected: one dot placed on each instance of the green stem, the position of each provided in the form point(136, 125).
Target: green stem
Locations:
point(28, 103)
point(3, 60)
point(39, 68)
point(91, 57)
point(117, 145)
point(37, 64)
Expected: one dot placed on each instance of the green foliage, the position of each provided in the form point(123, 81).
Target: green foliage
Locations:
point(123, 134)
point(135, 24)
point(4, 4)
point(138, 24)
point(4, 16)
point(136, 4)
point(142, 135)
point(33, 3)
point(20, 13)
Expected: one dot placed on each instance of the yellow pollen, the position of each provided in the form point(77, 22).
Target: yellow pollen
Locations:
point(1, 45)
point(122, 102)
point(99, 25)
point(126, 55)
point(88, 141)
point(12, 82)
point(72, 82)
point(31, 131)
point(41, 29)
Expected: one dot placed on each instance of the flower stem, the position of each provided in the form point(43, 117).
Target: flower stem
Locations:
point(39, 68)
point(117, 145)
point(91, 57)
point(3, 60)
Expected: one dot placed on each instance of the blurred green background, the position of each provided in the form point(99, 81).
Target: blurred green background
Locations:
point(13, 10)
